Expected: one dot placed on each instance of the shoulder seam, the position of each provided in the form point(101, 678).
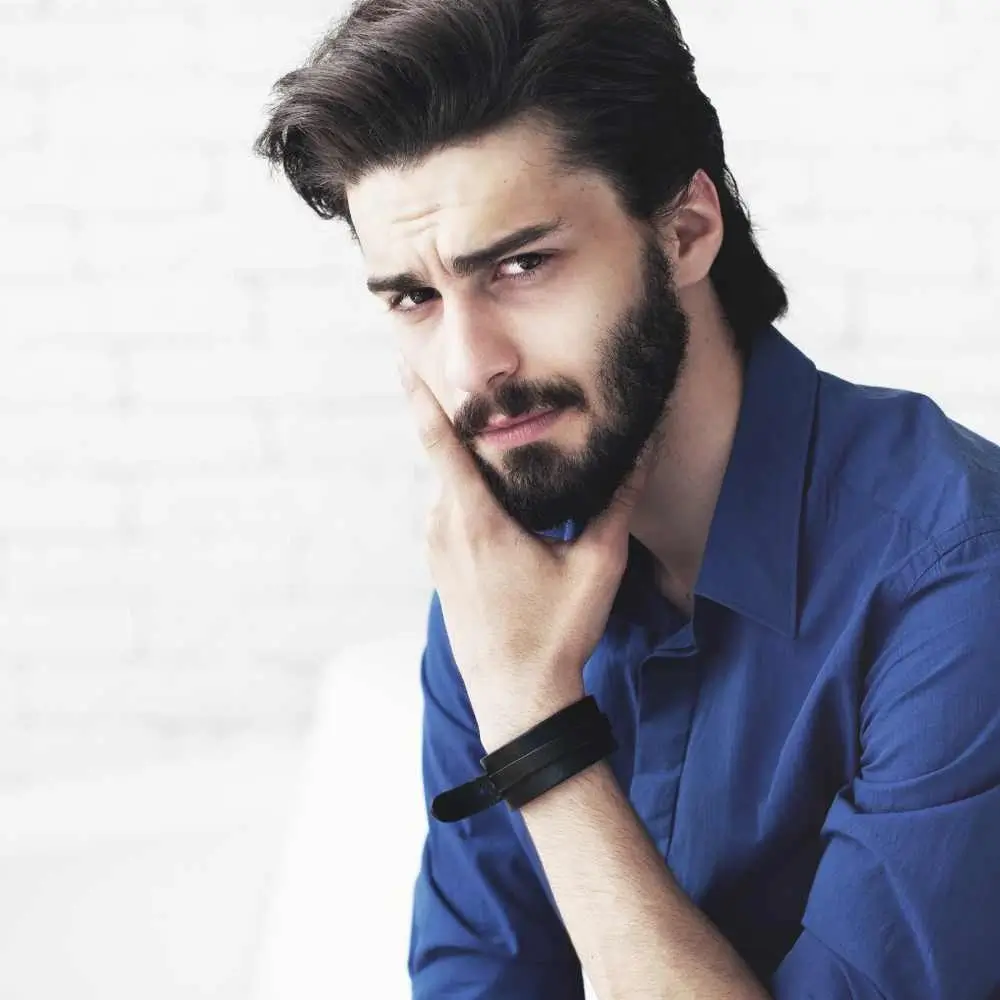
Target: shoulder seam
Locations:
point(941, 554)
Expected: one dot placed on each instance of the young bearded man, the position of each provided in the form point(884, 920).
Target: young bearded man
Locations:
point(781, 589)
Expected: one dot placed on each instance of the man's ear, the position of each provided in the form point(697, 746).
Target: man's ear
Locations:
point(693, 234)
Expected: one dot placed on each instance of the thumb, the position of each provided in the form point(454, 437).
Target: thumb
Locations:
point(611, 527)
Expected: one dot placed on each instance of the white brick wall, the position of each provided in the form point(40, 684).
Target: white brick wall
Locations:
point(208, 483)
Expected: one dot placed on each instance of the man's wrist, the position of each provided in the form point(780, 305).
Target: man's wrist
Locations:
point(504, 719)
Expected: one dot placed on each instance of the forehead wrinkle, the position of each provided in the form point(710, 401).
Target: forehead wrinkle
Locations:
point(463, 193)
point(470, 262)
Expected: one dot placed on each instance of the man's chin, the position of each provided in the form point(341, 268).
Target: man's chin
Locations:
point(553, 513)
point(535, 520)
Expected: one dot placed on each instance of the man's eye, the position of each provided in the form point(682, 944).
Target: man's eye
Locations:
point(539, 259)
point(395, 301)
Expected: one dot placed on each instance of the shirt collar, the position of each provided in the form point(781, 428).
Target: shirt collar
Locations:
point(750, 563)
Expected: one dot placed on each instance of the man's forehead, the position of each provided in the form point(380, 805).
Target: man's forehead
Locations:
point(478, 195)
point(451, 228)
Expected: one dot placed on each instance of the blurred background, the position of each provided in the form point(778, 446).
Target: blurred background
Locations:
point(210, 492)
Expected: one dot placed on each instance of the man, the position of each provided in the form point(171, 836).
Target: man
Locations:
point(782, 589)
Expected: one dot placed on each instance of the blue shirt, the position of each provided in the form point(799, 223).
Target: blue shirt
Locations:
point(815, 753)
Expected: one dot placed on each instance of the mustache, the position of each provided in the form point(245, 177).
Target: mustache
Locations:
point(513, 401)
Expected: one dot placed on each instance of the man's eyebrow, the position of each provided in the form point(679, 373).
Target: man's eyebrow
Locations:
point(467, 264)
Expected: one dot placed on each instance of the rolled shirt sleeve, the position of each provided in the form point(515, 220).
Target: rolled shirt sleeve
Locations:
point(482, 924)
point(905, 903)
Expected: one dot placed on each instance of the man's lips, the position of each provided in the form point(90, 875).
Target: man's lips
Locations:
point(505, 423)
point(512, 433)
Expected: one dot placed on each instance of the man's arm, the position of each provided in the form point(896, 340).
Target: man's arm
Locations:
point(637, 934)
point(906, 900)
point(482, 927)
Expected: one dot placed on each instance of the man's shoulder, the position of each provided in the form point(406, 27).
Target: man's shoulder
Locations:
point(901, 456)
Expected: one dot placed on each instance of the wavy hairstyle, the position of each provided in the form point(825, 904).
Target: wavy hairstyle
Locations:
point(614, 81)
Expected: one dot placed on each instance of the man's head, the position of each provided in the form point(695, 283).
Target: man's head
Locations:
point(436, 128)
point(582, 320)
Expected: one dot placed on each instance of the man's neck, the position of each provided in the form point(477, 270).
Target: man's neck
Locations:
point(673, 516)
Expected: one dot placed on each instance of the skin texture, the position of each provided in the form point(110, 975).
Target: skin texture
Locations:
point(522, 613)
point(634, 355)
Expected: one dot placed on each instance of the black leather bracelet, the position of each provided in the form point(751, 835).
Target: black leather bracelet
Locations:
point(546, 755)
point(558, 771)
point(538, 760)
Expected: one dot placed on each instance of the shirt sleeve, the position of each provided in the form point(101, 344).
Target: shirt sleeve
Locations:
point(482, 926)
point(906, 899)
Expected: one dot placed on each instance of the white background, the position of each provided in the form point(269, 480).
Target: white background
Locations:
point(208, 481)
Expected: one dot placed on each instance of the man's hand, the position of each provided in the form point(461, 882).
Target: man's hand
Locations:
point(523, 614)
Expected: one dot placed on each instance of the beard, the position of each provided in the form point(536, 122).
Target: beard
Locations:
point(639, 361)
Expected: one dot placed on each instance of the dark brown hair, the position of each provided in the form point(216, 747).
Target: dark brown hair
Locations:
point(394, 80)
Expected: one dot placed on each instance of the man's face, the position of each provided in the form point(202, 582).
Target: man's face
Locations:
point(583, 321)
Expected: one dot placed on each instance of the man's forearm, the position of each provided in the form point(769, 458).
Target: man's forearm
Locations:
point(636, 933)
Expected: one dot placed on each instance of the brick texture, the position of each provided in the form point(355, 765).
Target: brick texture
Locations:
point(208, 484)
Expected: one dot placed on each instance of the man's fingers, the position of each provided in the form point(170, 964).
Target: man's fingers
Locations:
point(447, 453)
point(611, 527)
point(628, 493)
